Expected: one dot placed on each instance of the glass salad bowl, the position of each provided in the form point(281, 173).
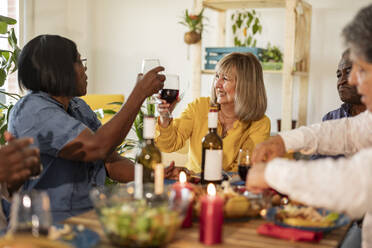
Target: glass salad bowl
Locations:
point(148, 222)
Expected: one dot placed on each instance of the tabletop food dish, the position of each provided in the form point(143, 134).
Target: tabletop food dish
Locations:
point(306, 218)
point(238, 202)
point(128, 222)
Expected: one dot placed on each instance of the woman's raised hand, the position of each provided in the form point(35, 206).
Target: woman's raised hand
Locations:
point(164, 110)
point(151, 82)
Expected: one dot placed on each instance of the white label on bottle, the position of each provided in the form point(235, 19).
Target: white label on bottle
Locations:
point(212, 119)
point(213, 165)
point(148, 127)
point(159, 179)
point(138, 181)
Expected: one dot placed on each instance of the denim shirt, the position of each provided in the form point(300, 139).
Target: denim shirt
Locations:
point(67, 182)
point(342, 112)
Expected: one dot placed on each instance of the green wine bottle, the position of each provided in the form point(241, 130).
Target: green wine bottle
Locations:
point(147, 157)
point(212, 153)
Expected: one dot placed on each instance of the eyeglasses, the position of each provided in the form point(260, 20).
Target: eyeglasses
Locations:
point(84, 61)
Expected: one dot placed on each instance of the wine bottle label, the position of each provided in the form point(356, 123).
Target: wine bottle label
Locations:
point(138, 181)
point(213, 165)
point(159, 179)
point(212, 119)
point(148, 127)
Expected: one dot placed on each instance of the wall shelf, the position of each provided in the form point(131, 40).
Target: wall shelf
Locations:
point(222, 5)
point(299, 73)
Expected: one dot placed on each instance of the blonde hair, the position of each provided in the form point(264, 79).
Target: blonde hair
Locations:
point(250, 93)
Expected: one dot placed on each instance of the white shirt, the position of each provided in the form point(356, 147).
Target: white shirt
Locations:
point(343, 185)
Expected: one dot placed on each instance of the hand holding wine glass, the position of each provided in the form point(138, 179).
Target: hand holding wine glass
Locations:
point(148, 65)
point(168, 97)
point(151, 82)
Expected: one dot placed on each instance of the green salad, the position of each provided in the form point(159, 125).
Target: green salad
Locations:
point(137, 224)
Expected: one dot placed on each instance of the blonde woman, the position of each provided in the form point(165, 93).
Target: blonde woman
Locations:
point(239, 89)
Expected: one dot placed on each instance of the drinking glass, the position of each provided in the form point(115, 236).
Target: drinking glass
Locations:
point(147, 65)
point(244, 163)
point(171, 89)
point(30, 213)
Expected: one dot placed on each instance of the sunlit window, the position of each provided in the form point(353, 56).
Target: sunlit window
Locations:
point(9, 8)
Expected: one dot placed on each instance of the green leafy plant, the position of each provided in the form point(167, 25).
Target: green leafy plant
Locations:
point(8, 64)
point(193, 22)
point(147, 109)
point(272, 54)
point(246, 26)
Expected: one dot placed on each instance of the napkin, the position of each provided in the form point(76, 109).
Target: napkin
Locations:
point(293, 234)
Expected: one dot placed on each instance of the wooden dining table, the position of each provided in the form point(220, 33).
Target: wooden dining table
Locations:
point(235, 234)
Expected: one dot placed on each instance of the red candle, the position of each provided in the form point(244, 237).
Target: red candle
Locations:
point(211, 217)
point(178, 187)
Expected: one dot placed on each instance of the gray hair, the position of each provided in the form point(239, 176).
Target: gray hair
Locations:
point(358, 33)
point(250, 93)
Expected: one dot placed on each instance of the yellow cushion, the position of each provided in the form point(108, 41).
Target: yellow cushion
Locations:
point(102, 101)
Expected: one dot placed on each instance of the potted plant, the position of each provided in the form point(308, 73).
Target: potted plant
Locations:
point(129, 144)
point(195, 25)
point(8, 65)
point(272, 58)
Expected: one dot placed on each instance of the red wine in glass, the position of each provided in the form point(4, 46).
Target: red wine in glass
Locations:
point(169, 95)
point(243, 170)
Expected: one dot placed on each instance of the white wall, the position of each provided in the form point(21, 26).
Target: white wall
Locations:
point(116, 35)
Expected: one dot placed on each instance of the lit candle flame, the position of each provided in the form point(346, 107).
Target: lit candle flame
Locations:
point(211, 189)
point(27, 201)
point(182, 177)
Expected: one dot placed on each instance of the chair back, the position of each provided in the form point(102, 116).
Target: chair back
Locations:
point(102, 101)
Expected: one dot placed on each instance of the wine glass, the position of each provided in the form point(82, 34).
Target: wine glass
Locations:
point(148, 65)
point(30, 213)
point(244, 163)
point(171, 89)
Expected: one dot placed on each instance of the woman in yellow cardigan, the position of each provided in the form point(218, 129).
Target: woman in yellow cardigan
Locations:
point(239, 89)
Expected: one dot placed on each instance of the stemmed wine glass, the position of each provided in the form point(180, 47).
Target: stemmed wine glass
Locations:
point(30, 213)
point(171, 89)
point(244, 163)
point(147, 65)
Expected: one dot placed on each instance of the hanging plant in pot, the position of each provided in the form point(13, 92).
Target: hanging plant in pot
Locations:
point(195, 25)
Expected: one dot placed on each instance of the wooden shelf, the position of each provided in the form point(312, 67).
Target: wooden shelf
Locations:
point(299, 73)
point(222, 5)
